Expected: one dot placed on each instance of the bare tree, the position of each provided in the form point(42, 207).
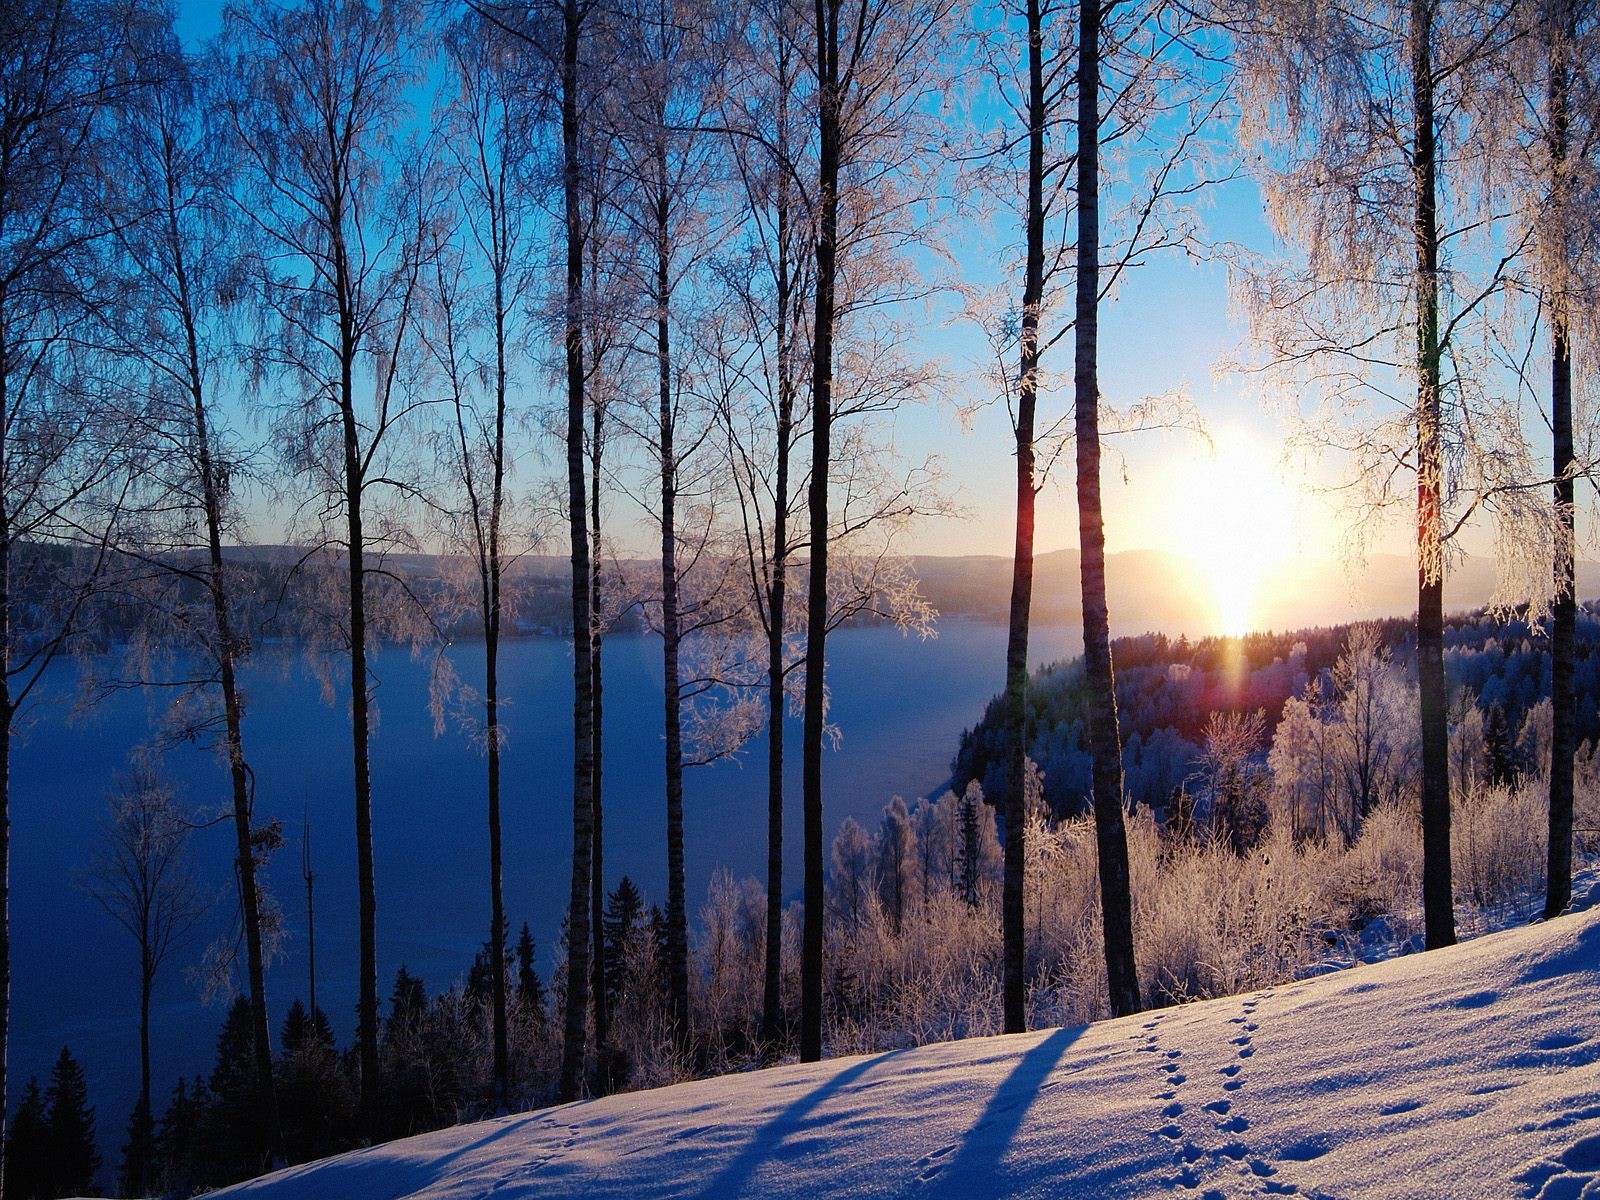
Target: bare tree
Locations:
point(557, 36)
point(62, 69)
point(1374, 170)
point(141, 875)
point(477, 346)
point(871, 64)
point(669, 54)
point(315, 107)
point(169, 180)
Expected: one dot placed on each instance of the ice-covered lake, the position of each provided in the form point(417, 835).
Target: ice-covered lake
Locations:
point(901, 704)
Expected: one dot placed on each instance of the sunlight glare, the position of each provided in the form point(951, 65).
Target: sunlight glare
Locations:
point(1238, 521)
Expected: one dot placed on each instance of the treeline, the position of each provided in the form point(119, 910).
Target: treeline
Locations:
point(1170, 692)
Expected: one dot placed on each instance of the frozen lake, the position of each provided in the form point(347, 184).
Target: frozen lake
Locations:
point(901, 704)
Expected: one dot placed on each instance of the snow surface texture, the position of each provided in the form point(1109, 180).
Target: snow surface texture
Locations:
point(1471, 1072)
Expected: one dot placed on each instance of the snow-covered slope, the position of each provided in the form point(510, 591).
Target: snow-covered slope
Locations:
point(1472, 1072)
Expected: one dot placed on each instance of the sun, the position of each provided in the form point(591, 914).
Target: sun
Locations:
point(1237, 520)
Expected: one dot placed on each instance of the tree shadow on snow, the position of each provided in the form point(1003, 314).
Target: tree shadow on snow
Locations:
point(767, 1142)
point(378, 1170)
point(975, 1159)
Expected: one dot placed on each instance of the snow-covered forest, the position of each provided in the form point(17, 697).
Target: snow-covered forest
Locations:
point(497, 318)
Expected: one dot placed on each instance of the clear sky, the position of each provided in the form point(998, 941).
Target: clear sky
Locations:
point(1234, 501)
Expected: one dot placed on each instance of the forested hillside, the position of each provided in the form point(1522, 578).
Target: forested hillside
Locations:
point(1173, 695)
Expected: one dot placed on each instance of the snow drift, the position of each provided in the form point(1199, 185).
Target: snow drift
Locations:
point(1471, 1072)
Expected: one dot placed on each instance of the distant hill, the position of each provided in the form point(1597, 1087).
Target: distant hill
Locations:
point(1156, 590)
point(1149, 589)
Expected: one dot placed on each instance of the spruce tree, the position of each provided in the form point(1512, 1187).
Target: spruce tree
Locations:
point(317, 1094)
point(69, 1130)
point(624, 912)
point(180, 1164)
point(27, 1146)
point(231, 1125)
point(135, 1176)
point(530, 990)
point(1497, 764)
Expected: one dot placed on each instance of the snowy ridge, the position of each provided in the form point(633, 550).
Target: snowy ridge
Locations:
point(1470, 1072)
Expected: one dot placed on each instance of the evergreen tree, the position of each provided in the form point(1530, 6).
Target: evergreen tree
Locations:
point(408, 1002)
point(530, 989)
point(318, 1098)
point(137, 1172)
point(480, 978)
point(1497, 763)
point(231, 1122)
point(180, 1164)
point(27, 1146)
point(623, 918)
point(971, 847)
point(69, 1130)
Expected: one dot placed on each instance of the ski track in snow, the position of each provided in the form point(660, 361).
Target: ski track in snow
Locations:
point(1464, 1073)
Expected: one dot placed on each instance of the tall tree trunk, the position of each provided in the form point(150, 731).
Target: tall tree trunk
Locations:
point(574, 1037)
point(233, 713)
point(147, 979)
point(828, 106)
point(360, 723)
point(777, 594)
point(671, 628)
point(7, 715)
point(1105, 748)
point(1012, 916)
point(311, 914)
point(1563, 629)
point(493, 579)
point(497, 904)
point(597, 879)
point(1437, 893)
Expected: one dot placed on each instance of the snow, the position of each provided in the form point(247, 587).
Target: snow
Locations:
point(1468, 1072)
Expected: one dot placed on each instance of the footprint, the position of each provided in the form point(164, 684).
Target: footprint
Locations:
point(1220, 1107)
point(1233, 1085)
point(1172, 1110)
point(1251, 1027)
point(1247, 1052)
point(1401, 1106)
point(1231, 1069)
point(1233, 1125)
point(1178, 1078)
point(1173, 1133)
point(1306, 1149)
point(1242, 1040)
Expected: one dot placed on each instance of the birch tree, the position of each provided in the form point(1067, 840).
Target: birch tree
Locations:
point(557, 36)
point(169, 178)
point(874, 70)
point(1373, 174)
point(316, 111)
point(63, 68)
point(477, 344)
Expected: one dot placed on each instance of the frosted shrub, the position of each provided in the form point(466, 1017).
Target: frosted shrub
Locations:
point(1381, 874)
point(1498, 842)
